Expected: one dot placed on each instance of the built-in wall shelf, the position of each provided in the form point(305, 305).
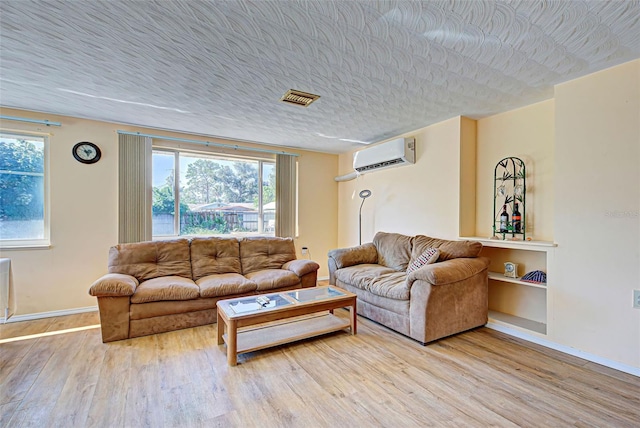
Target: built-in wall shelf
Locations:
point(512, 320)
point(500, 243)
point(500, 277)
point(513, 302)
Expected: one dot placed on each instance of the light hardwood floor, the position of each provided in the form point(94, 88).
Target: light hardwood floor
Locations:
point(376, 378)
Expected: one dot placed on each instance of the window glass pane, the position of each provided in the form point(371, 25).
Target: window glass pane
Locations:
point(22, 187)
point(163, 193)
point(221, 195)
point(269, 197)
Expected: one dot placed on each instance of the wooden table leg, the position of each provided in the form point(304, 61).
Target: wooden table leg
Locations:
point(354, 317)
point(220, 328)
point(232, 343)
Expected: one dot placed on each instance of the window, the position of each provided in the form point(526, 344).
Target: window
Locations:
point(204, 194)
point(23, 190)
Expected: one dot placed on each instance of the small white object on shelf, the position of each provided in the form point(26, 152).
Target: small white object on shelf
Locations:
point(511, 270)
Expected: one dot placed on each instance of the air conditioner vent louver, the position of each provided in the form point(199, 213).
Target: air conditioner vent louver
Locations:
point(401, 151)
point(299, 98)
point(379, 165)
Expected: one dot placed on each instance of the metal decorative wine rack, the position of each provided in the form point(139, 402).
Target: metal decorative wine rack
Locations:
point(509, 188)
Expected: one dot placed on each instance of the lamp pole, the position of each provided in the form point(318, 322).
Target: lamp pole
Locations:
point(364, 194)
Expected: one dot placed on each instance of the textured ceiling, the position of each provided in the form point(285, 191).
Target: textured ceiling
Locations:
point(381, 67)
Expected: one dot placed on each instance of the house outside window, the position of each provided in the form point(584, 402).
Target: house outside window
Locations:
point(196, 194)
point(24, 219)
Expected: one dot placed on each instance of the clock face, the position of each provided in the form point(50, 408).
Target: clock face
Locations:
point(86, 152)
point(511, 270)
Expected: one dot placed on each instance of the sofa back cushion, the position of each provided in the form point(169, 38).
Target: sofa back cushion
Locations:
point(147, 260)
point(448, 249)
point(265, 253)
point(394, 250)
point(213, 255)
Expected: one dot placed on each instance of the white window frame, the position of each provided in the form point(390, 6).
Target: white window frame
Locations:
point(176, 189)
point(45, 241)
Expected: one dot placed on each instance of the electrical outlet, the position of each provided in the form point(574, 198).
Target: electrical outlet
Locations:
point(305, 250)
point(636, 299)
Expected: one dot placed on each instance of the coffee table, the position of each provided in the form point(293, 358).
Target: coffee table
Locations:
point(288, 307)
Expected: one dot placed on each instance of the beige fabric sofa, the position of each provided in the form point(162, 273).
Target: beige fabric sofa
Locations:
point(434, 301)
point(154, 287)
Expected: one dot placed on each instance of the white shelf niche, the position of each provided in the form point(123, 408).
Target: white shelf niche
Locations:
point(508, 320)
point(500, 277)
point(523, 307)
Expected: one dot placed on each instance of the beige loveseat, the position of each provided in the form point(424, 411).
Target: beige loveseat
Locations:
point(154, 287)
point(434, 301)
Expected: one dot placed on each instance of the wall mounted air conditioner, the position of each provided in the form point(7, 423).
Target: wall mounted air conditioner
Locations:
point(401, 151)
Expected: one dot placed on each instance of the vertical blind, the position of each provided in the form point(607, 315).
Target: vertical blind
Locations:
point(135, 188)
point(286, 196)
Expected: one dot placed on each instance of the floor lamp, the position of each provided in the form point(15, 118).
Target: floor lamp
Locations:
point(364, 194)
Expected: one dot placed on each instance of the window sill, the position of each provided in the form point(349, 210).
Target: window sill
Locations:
point(11, 247)
point(227, 235)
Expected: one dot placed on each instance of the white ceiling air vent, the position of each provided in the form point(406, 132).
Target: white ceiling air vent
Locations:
point(299, 98)
point(401, 151)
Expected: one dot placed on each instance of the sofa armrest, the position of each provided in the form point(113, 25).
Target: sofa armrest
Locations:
point(345, 257)
point(114, 285)
point(301, 267)
point(449, 271)
point(448, 297)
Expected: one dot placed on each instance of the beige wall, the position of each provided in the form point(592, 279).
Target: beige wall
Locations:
point(411, 199)
point(582, 151)
point(526, 133)
point(84, 213)
point(468, 173)
point(596, 213)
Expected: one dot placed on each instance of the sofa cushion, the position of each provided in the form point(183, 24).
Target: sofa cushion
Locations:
point(259, 253)
point(448, 249)
point(225, 284)
point(273, 278)
point(430, 255)
point(214, 255)
point(376, 279)
point(165, 288)
point(147, 260)
point(394, 250)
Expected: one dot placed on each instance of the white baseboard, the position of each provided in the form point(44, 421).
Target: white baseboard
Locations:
point(565, 349)
point(39, 315)
point(323, 278)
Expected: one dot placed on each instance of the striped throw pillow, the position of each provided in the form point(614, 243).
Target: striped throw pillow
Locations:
point(430, 255)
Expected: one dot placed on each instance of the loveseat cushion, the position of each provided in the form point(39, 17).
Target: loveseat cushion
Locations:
point(214, 255)
point(376, 279)
point(225, 284)
point(153, 259)
point(165, 288)
point(269, 279)
point(394, 250)
point(259, 253)
point(448, 249)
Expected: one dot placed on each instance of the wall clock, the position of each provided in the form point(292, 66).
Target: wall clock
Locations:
point(86, 152)
point(511, 270)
